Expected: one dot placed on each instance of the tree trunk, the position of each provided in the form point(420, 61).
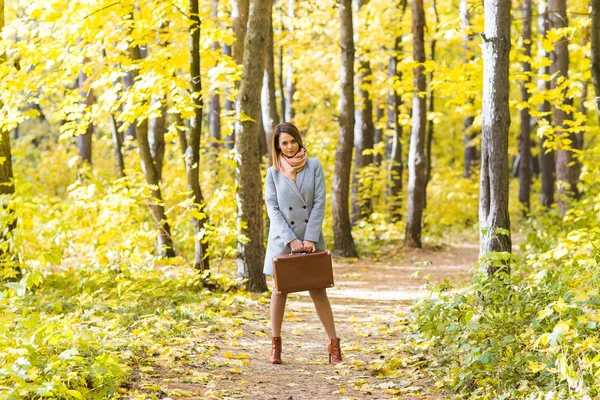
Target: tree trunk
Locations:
point(214, 120)
point(157, 208)
point(129, 80)
point(214, 108)
point(280, 78)
point(566, 171)
point(290, 86)
point(84, 142)
point(7, 185)
point(156, 204)
point(239, 15)
point(364, 132)
point(396, 167)
point(342, 231)
point(494, 219)
point(546, 155)
point(262, 136)
point(156, 138)
point(582, 110)
point(595, 39)
point(192, 149)
point(248, 174)
point(470, 151)
point(416, 156)
point(430, 124)
point(229, 106)
point(270, 117)
point(378, 133)
point(525, 145)
point(117, 139)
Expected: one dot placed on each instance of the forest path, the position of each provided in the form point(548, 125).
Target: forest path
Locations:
point(369, 302)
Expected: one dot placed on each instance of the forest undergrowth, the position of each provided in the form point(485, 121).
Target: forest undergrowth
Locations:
point(92, 304)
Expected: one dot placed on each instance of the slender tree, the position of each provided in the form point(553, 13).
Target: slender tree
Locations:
point(290, 86)
point(229, 105)
point(396, 166)
point(595, 39)
point(416, 156)
point(214, 108)
point(117, 139)
point(494, 219)
point(192, 144)
point(364, 133)
point(281, 66)
point(7, 182)
point(470, 133)
point(152, 175)
point(525, 143)
point(248, 175)
point(84, 141)
point(270, 117)
point(378, 131)
point(342, 233)
point(239, 16)
point(547, 166)
point(566, 171)
point(430, 123)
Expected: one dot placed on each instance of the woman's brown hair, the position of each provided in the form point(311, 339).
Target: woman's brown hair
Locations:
point(291, 130)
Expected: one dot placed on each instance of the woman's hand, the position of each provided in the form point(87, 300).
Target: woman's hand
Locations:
point(309, 246)
point(297, 246)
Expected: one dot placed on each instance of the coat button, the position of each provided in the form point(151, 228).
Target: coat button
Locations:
point(291, 208)
point(304, 207)
point(292, 223)
point(306, 221)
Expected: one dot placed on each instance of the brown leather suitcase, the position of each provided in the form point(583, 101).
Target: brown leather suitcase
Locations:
point(296, 272)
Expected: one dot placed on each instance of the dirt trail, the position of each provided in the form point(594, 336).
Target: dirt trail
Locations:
point(368, 300)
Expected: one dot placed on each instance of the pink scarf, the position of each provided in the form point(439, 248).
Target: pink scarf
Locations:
point(291, 166)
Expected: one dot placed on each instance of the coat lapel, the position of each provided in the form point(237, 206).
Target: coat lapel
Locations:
point(294, 188)
point(300, 178)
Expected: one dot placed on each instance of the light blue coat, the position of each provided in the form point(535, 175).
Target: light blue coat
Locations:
point(296, 210)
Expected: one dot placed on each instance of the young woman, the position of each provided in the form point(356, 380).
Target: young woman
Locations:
point(295, 197)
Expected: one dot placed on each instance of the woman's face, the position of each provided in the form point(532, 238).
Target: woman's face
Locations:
point(288, 145)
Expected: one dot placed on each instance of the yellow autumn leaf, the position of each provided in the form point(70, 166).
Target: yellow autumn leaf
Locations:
point(560, 306)
point(237, 357)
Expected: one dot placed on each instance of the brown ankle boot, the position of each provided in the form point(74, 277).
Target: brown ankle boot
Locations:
point(335, 353)
point(275, 350)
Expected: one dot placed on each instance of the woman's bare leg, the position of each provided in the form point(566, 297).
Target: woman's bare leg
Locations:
point(277, 311)
point(324, 312)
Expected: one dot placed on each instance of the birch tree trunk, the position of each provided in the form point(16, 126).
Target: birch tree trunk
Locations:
point(494, 219)
point(547, 166)
point(248, 173)
point(342, 230)
point(416, 156)
point(566, 170)
point(525, 144)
